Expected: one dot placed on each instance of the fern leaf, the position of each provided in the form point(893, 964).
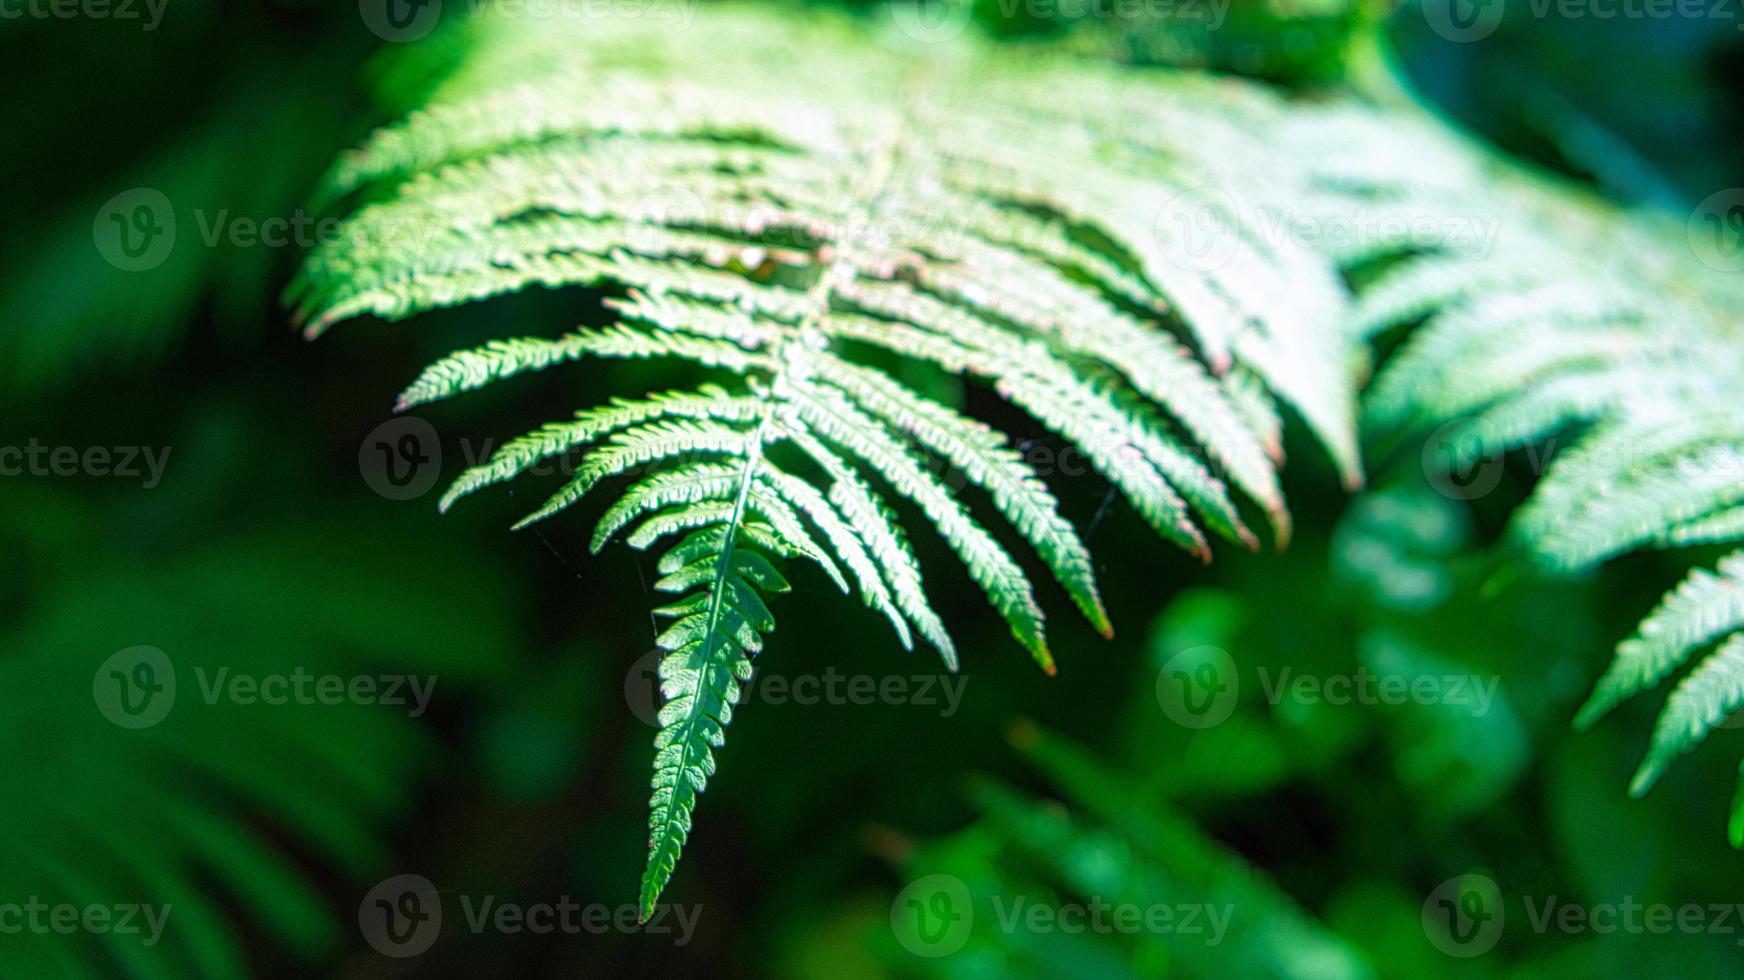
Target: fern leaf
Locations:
point(1612, 355)
point(996, 217)
point(1714, 690)
point(829, 414)
point(988, 463)
point(845, 541)
point(872, 520)
point(1704, 607)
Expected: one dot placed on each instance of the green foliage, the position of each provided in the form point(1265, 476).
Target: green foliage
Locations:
point(1321, 827)
point(746, 159)
point(69, 313)
point(1104, 849)
point(1293, 43)
point(1544, 317)
point(1007, 221)
point(222, 818)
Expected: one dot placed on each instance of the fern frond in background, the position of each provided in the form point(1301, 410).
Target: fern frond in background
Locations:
point(223, 818)
point(69, 313)
point(1541, 316)
point(1233, 920)
point(1022, 222)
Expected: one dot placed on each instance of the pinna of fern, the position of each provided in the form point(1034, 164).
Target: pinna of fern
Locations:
point(985, 218)
point(1568, 316)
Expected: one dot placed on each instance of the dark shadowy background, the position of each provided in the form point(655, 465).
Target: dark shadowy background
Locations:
point(265, 548)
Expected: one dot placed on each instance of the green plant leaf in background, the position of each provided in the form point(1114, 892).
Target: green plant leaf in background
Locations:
point(1544, 318)
point(216, 812)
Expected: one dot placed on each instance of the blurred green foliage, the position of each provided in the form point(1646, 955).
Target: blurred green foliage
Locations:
point(1326, 826)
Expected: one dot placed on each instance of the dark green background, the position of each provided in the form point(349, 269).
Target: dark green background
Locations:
point(264, 548)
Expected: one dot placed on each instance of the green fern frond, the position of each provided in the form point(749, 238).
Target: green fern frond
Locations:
point(1705, 606)
point(1094, 841)
point(1713, 691)
point(1013, 219)
point(1575, 330)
